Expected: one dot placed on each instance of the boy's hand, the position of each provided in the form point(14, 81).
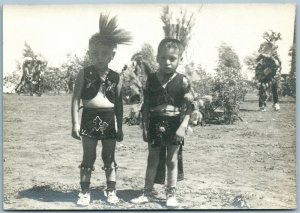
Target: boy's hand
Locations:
point(75, 132)
point(180, 133)
point(145, 135)
point(120, 135)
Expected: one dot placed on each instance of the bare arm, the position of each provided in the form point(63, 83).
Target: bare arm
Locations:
point(76, 104)
point(145, 114)
point(119, 110)
point(188, 98)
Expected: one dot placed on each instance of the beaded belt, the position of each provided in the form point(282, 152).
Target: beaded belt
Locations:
point(165, 112)
point(99, 108)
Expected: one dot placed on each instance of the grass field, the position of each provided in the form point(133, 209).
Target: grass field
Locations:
point(251, 164)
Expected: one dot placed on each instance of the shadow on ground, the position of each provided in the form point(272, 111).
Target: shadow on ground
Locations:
point(48, 194)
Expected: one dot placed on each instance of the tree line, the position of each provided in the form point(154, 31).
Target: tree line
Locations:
point(226, 83)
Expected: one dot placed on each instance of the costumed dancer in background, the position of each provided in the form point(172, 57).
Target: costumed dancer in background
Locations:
point(32, 76)
point(267, 73)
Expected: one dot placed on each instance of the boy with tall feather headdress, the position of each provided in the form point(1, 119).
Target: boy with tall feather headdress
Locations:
point(99, 89)
point(166, 112)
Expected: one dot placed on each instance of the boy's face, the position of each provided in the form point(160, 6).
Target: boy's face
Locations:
point(168, 59)
point(101, 54)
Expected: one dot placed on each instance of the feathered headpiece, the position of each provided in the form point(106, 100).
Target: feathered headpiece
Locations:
point(109, 32)
point(178, 28)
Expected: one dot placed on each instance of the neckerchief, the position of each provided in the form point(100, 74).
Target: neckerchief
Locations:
point(170, 79)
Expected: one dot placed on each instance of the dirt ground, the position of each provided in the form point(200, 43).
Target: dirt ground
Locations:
point(251, 164)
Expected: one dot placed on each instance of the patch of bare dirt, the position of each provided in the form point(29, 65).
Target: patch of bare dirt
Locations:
point(248, 165)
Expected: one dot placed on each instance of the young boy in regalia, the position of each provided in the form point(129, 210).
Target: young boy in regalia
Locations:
point(99, 89)
point(166, 112)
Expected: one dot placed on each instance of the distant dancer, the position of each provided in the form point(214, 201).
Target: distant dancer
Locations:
point(267, 73)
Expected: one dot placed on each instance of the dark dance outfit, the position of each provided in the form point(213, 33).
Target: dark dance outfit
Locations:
point(265, 72)
point(163, 125)
point(99, 123)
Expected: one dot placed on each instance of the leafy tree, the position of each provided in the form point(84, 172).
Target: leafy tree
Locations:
point(28, 52)
point(14, 77)
point(131, 86)
point(202, 86)
point(147, 55)
point(250, 62)
point(10, 80)
point(228, 58)
point(189, 70)
point(62, 78)
point(53, 80)
point(70, 68)
point(228, 86)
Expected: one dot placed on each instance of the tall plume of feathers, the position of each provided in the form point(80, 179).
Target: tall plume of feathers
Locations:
point(109, 32)
point(179, 28)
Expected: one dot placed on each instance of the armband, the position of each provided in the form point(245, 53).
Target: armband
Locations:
point(188, 98)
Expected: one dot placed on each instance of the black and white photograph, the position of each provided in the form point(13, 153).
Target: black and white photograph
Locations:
point(149, 106)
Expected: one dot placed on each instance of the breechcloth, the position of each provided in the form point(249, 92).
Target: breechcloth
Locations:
point(162, 133)
point(98, 123)
point(163, 130)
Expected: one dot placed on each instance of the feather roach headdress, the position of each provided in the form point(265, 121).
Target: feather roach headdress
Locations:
point(109, 32)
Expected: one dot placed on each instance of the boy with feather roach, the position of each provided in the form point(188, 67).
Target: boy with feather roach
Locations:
point(99, 89)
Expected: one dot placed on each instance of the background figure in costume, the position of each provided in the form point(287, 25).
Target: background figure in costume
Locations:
point(32, 76)
point(141, 70)
point(267, 73)
point(99, 88)
point(166, 112)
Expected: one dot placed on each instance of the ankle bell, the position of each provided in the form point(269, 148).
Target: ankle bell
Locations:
point(170, 191)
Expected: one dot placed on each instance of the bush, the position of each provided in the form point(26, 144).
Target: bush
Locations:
point(229, 89)
point(204, 85)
